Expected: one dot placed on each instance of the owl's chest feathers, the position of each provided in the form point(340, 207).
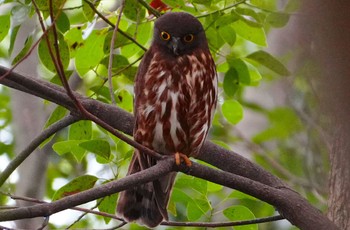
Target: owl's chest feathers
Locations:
point(170, 90)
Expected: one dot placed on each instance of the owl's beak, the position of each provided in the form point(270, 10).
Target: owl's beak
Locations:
point(175, 45)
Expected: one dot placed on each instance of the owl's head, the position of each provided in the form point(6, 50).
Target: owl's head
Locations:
point(179, 33)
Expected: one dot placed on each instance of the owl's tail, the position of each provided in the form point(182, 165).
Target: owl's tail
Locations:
point(145, 203)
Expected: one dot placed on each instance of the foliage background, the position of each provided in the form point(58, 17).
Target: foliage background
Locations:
point(262, 113)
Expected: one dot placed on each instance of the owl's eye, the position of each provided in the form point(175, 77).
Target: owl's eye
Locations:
point(189, 38)
point(165, 36)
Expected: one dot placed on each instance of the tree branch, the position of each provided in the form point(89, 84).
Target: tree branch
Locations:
point(66, 121)
point(240, 174)
point(46, 209)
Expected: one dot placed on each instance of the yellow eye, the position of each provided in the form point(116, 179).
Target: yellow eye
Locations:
point(165, 36)
point(189, 38)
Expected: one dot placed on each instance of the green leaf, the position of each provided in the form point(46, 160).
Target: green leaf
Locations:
point(231, 82)
point(238, 212)
point(98, 147)
point(13, 38)
point(58, 113)
point(5, 23)
point(240, 195)
point(249, 16)
point(254, 74)
point(134, 11)
point(212, 187)
point(64, 147)
point(232, 111)
point(27, 46)
point(265, 4)
point(241, 69)
point(253, 34)
point(81, 130)
point(125, 100)
point(44, 52)
point(196, 184)
point(77, 185)
point(43, 5)
point(91, 52)
point(119, 63)
point(222, 144)
point(197, 209)
point(269, 61)
point(89, 13)
point(228, 34)
point(63, 24)
point(74, 40)
point(107, 204)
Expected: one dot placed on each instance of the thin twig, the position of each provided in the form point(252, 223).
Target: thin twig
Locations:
point(112, 25)
point(150, 8)
point(223, 9)
point(223, 224)
point(29, 199)
point(165, 223)
point(111, 52)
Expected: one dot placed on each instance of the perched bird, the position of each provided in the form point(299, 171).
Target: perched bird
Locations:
point(175, 99)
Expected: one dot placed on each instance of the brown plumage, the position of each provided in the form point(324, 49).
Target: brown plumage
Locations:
point(175, 99)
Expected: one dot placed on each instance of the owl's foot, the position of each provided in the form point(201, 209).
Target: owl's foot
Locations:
point(182, 157)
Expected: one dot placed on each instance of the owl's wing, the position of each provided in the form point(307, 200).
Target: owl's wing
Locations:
point(203, 101)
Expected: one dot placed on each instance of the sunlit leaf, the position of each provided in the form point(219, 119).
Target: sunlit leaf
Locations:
point(74, 40)
point(232, 111)
point(56, 115)
point(81, 130)
point(91, 52)
point(98, 147)
point(4, 26)
point(77, 185)
point(254, 74)
point(253, 34)
point(228, 34)
point(27, 46)
point(239, 212)
point(89, 13)
point(64, 147)
point(197, 208)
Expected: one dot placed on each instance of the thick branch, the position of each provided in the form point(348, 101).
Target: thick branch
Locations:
point(46, 209)
point(249, 178)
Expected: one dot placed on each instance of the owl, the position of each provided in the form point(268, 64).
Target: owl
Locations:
point(175, 99)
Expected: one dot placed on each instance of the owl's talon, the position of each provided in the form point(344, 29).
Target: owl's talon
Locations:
point(181, 156)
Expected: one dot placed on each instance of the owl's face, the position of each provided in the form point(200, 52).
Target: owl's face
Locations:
point(179, 33)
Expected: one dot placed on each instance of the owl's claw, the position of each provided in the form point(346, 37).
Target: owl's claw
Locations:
point(183, 157)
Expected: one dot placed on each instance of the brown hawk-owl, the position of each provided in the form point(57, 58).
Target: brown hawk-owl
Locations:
point(175, 100)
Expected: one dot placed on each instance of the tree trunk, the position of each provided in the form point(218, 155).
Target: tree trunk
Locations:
point(327, 27)
point(29, 117)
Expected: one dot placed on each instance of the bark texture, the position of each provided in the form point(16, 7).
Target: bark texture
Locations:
point(326, 29)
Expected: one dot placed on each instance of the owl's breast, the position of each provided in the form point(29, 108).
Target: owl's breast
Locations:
point(172, 115)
